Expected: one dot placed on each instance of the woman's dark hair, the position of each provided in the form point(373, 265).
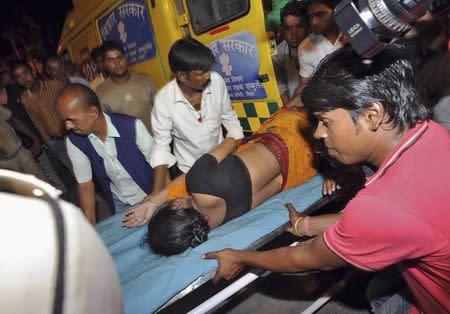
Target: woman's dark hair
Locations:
point(188, 54)
point(172, 231)
point(345, 80)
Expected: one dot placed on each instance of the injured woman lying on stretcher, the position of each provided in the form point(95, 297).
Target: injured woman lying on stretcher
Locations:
point(227, 182)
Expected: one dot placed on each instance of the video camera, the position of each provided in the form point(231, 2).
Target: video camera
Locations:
point(371, 24)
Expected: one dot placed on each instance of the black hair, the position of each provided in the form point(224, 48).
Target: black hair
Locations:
point(345, 80)
point(172, 231)
point(87, 95)
point(189, 54)
point(329, 3)
point(433, 78)
point(111, 45)
point(53, 58)
point(20, 64)
point(294, 8)
point(96, 53)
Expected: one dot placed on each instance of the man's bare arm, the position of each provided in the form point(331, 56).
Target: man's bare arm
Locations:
point(86, 191)
point(285, 98)
point(312, 254)
point(160, 178)
point(295, 100)
point(25, 130)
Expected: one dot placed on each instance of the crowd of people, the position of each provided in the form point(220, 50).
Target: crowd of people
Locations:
point(176, 158)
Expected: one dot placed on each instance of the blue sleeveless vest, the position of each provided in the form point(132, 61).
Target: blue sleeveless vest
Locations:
point(128, 154)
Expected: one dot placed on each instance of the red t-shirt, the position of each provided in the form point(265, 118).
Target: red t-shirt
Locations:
point(402, 217)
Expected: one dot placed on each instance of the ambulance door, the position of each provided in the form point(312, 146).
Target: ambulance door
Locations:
point(234, 31)
point(129, 23)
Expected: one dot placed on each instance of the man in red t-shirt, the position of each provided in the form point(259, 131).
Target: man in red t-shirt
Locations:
point(368, 111)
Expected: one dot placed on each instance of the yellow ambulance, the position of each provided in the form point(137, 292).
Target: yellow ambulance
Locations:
point(232, 29)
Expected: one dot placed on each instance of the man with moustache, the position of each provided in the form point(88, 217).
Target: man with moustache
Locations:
point(325, 39)
point(294, 25)
point(113, 148)
point(124, 91)
point(190, 111)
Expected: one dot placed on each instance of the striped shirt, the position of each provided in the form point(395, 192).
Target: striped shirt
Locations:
point(41, 108)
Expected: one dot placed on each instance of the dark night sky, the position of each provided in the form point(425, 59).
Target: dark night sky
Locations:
point(44, 12)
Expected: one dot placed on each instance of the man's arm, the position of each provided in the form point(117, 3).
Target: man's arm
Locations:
point(227, 147)
point(25, 130)
point(86, 192)
point(161, 157)
point(302, 225)
point(145, 143)
point(296, 101)
point(229, 116)
point(160, 174)
point(312, 254)
point(285, 98)
point(83, 174)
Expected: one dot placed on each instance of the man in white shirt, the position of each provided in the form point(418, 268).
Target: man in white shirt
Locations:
point(294, 25)
point(324, 39)
point(115, 148)
point(190, 111)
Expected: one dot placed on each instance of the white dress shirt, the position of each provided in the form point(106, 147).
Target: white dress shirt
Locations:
point(312, 50)
point(122, 185)
point(286, 69)
point(193, 132)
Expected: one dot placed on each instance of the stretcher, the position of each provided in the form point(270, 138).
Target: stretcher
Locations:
point(150, 282)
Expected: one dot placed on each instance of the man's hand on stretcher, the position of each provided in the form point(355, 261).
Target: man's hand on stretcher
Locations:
point(230, 262)
point(140, 215)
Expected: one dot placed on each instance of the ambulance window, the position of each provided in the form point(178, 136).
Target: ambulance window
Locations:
point(208, 14)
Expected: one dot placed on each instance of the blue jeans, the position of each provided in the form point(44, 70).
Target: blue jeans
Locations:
point(388, 293)
point(397, 304)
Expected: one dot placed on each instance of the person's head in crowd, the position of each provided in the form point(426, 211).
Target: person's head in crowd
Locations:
point(172, 231)
point(320, 13)
point(37, 66)
point(97, 57)
point(114, 59)
point(71, 68)
point(294, 23)
point(6, 78)
point(433, 78)
point(358, 104)
point(56, 69)
point(80, 109)
point(24, 76)
point(190, 61)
